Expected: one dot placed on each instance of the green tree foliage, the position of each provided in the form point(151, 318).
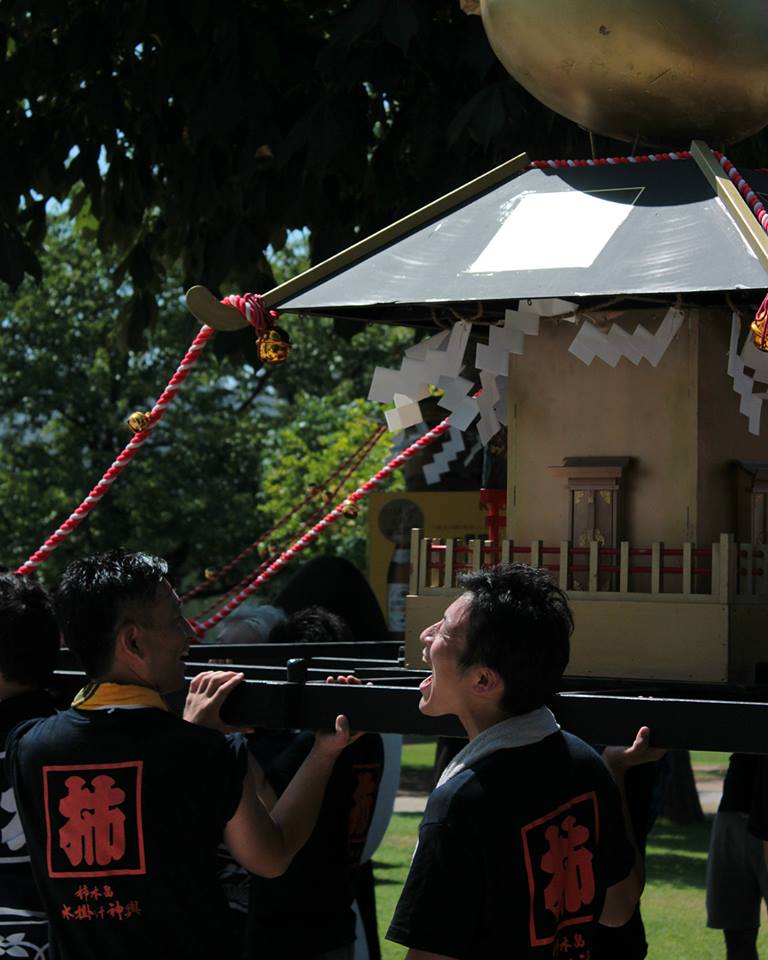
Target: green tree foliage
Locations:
point(238, 447)
point(206, 134)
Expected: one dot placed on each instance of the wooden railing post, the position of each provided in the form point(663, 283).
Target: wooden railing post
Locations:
point(476, 547)
point(424, 552)
point(565, 555)
point(413, 580)
point(687, 586)
point(714, 587)
point(657, 552)
point(506, 551)
point(594, 560)
point(727, 568)
point(624, 566)
point(448, 566)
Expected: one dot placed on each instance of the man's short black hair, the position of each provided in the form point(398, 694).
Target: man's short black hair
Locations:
point(95, 598)
point(312, 625)
point(29, 634)
point(520, 626)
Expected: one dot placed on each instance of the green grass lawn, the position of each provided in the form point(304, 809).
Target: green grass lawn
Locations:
point(709, 759)
point(418, 754)
point(673, 902)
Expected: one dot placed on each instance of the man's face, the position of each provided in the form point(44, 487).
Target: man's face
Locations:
point(445, 690)
point(166, 634)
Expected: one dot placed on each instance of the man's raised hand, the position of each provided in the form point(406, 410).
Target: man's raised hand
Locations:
point(207, 691)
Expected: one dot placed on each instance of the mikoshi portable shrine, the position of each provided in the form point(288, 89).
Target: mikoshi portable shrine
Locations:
point(603, 309)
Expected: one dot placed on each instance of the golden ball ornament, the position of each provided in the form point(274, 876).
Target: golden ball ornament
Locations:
point(350, 510)
point(274, 346)
point(759, 327)
point(139, 421)
point(662, 72)
point(210, 573)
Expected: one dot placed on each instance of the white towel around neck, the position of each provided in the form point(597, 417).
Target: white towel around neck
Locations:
point(519, 731)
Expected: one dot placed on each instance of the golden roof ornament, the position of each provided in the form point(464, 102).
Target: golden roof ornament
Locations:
point(653, 71)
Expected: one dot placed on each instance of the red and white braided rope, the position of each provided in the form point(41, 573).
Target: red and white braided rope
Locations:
point(251, 306)
point(609, 161)
point(347, 466)
point(125, 457)
point(755, 203)
point(311, 535)
point(252, 574)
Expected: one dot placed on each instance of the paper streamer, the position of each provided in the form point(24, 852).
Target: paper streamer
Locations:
point(751, 404)
point(442, 460)
point(610, 347)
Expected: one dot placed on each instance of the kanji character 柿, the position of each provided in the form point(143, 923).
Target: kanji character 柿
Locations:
point(94, 830)
point(570, 864)
point(82, 892)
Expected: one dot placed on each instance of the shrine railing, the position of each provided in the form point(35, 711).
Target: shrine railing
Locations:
point(718, 571)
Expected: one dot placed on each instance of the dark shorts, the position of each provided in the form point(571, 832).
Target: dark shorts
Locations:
point(737, 878)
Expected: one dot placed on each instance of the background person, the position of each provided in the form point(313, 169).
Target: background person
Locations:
point(737, 877)
point(29, 642)
point(123, 804)
point(306, 914)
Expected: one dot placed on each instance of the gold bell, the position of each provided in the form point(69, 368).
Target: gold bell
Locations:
point(139, 421)
point(350, 510)
point(274, 346)
point(210, 573)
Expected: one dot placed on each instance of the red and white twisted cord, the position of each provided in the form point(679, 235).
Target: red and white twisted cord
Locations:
point(251, 306)
point(252, 574)
point(348, 464)
point(311, 535)
point(755, 203)
point(609, 161)
point(124, 458)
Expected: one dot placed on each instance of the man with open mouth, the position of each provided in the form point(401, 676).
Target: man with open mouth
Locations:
point(524, 845)
point(124, 804)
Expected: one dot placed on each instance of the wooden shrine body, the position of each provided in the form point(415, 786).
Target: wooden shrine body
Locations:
point(644, 484)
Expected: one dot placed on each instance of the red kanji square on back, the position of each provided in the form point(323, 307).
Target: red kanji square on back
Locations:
point(559, 851)
point(93, 819)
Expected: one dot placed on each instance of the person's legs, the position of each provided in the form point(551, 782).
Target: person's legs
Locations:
point(733, 884)
point(741, 944)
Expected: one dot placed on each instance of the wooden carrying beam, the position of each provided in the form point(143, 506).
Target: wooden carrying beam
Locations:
point(394, 231)
point(207, 309)
point(702, 717)
point(734, 203)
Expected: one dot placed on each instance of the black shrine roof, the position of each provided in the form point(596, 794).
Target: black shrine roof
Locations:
point(643, 229)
